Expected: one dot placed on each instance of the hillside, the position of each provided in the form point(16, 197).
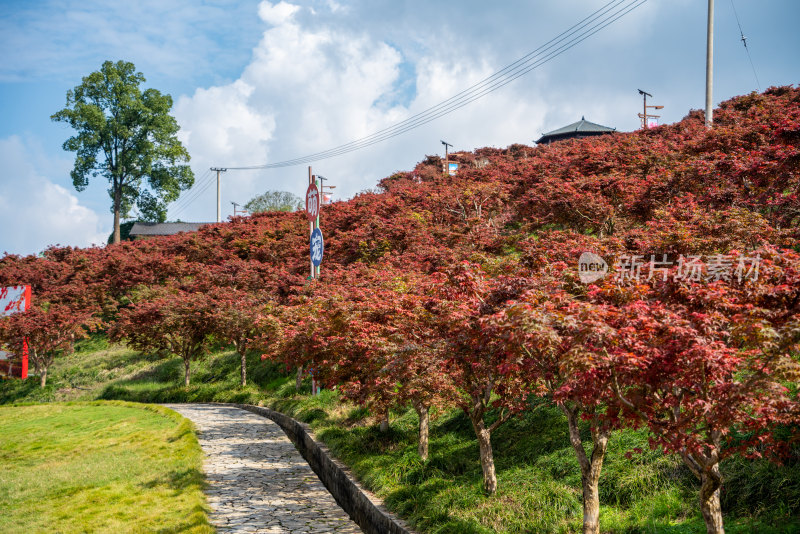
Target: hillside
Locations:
point(537, 471)
point(461, 297)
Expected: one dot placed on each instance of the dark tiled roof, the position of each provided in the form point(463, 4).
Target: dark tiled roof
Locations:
point(576, 129)
point(145, 228)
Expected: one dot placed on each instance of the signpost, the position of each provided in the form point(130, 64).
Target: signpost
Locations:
point(313, 205)
point(312, 201)
point(15, 299)
point(316, 247)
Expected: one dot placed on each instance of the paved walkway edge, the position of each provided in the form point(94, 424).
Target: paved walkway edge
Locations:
point(364, 508)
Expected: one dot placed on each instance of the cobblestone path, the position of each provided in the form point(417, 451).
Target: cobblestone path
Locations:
point(258, 482)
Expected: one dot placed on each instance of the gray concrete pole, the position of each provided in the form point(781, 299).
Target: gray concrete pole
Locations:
point(710, 66)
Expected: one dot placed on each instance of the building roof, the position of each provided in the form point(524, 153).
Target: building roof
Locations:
point(170, 228)
point(582, 128)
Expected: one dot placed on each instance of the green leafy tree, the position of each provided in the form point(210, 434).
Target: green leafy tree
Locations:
point(128, 136)
point(274, 201)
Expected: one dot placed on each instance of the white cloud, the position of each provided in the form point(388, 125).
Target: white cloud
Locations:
point(219, 121)
point(304, 90)
point(34, 211)
point(276, 14)
point(311, 86)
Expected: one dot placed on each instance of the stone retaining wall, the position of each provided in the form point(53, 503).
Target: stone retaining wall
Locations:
point(371, 516)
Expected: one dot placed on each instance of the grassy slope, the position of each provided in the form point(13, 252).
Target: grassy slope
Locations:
point(538, 475)
point(99, 467)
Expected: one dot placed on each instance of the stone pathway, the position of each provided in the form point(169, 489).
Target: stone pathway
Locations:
point(258, 481)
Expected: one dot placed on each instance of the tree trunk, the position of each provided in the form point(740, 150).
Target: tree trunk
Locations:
point(487, 458)
point(590, 468)
point(298, 381)
point(243, 354)
point(117, 205)
point(591, 504)
point(385, 422)
point(710, 484)
point(186, 362)
point(42, 376)
point(422, 412)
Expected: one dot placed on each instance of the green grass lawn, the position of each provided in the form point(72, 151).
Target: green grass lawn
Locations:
point(99, 467)
point(538, 476)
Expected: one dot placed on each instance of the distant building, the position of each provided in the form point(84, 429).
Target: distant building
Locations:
point(143, 230)
point(576, 130)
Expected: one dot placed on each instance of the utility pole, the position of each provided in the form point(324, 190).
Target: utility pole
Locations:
point(446, 160)
point(710, 65)
point(219, 197)
point(644, 116)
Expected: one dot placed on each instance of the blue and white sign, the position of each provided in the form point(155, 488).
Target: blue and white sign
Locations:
point(317, 247)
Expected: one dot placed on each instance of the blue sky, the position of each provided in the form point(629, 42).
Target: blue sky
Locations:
point(257, 82)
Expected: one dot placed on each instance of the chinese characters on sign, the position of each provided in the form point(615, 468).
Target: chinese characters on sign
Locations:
point(312, 202)
point(641, 268)
point(317, 247)
point(14, 299)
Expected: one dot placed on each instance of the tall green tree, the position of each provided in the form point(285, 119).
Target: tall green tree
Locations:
point(128, 136)
point(274, 201)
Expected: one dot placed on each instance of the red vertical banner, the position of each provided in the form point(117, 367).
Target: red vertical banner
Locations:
point(24, 372)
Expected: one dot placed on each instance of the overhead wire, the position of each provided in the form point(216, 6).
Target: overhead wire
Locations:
point(200, 186)
point(183, 208)
point(195, 190)
point(606, 15)
point(590, 25)
point(744, 42)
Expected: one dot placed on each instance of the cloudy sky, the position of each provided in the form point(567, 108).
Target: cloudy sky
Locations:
point(263, 82)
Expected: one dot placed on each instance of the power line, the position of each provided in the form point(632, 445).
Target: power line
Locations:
point(195, 190)
point(459, 97)
point(590, 25)
point(199, 193)
point(459, 103)
point(584, 29)
point(200, 186)
point(746, 49)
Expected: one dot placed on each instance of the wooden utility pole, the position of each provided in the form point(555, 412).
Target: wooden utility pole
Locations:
point(446, 157)
point(710, 65)
point(219, 197)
